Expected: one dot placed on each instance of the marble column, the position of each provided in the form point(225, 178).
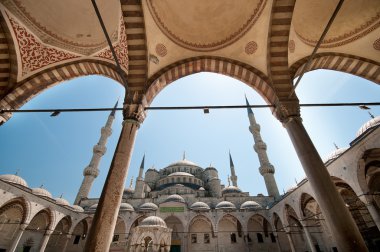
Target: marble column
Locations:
point(308, 236)
point(68, 237)
point(339, 219)
point(291, 243)
point(18, 237)
point(45, 240)
point(277, 242)
point(374, 213)
point(104, 221)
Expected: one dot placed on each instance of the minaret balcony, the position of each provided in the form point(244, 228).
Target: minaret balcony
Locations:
point(266, 169)
point(90, 171)
point(100, 149)
point(260, 146)
point(106, 131)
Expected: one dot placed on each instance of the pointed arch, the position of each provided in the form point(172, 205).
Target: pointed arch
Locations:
point(235, 69)
point(20, 203)
point(362, 67)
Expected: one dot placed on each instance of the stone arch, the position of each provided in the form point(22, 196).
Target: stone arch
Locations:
point(58, 237)
point(19, 201)
point(204, 218)
point(359, 212)
point(369, 175)
point(235, 69)
point(119, 238)
point(78, 234)
point(259, 235)
point(295, 228)
point(32, 86)
point(362, 67)
point(280, 232)
point(134, 223)
point(230, 232)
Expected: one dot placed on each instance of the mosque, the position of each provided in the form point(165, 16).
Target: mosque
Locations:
point(145, 45)
point(185, 207)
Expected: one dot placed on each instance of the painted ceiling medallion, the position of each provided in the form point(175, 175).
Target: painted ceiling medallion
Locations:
point(292, 46)
point(376, 44)
point(161, 50)
point(354, 20)
point(34, 54)
point(251, 47)
point(205, 25)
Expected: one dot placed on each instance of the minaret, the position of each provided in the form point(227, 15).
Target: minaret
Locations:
point(266, 168)
point(92, 170)
point(139, 187)
point(233, 174)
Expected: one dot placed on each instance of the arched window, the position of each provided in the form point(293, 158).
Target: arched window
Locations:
point(260, 238)
point(233, 238)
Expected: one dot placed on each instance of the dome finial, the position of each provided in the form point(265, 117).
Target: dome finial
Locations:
point(371, 115)
point(61, 196)
point(130, 185)
point(336, 146)
point(184, 155)
point(17, 171)
point(229, 181)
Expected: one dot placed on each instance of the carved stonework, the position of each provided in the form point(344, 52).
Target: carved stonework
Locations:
point(376, 44)
point(251, 47)
point(161, 50)
point(285, 110)
point(133, 108)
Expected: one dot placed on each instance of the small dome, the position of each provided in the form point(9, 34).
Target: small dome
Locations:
point(231, 189)
point(250, 205)
point(334, 155)
point(291, 188)
point(368, 125)
point(148, 207)
point(181, 174)
point(153, 221)
point(11, 178)
point(129, 190)
point(201, 189)
point(211, 168)
point(152, 170)
point(77, 208)
point(174, 198)
point(62, 202)
point(126, 207)
point(200, 206)
point(41, 192)
point(93, 207)
point(225, 205)
point(183, 162)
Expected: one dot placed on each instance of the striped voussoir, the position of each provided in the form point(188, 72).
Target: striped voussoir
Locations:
point(243, 72)
point(137, 49)
point(278, 69)
point(33, 85)
point(365, 68)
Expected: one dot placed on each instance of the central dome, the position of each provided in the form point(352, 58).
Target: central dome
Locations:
point(183, 162)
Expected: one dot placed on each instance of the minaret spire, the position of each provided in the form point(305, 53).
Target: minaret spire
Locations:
point(140, 184)
point(266, 168)
point(141, 170)
point(92, 170)
point(233, 174)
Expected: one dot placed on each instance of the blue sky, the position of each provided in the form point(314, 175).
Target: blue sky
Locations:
point(53, 151)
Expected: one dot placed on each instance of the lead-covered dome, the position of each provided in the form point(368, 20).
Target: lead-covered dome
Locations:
point(334, 155)
point(200, 206)
point(153, 221)
point(174, 198)
point(148, 207)
point(126, 207)
point(12, 178)
point(231, 189)
point(368, 125)
point(180, 174)
point(183, 162)
point(41, 192)
point(225, 205)
point(62, 202)
point(250, 205)
point(77, 208)
point(129, 191)
point(93, 207)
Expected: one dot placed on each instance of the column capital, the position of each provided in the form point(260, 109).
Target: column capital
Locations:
point(48, 232)
point(287, 110)
point(133, 107)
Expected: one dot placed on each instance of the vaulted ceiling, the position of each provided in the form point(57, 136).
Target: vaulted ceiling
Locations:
point(264, 43)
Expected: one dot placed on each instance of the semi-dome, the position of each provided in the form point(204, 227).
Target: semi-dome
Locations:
point(250, 205)
point(153, 221)
point(41, 192)
point(126, 207)
point(200, 206)
point(62, 202)
point(334, 154)
point(183, 162)
point(174, 198)
point(368, 125)
point(231, 189)
point(77, 208)
point(225, 205)
point(211, 168)
point(148, 207)
point(11, 178)
point(180, 174)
